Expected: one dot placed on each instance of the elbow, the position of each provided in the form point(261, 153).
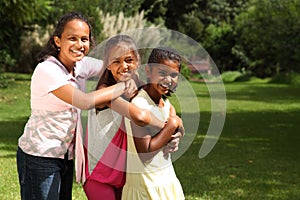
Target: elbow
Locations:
point(142, 118)
point(85, 105)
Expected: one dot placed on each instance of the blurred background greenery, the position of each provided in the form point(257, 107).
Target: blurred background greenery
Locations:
point(257, 38)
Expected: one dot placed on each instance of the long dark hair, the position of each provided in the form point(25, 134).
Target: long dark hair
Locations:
point(107, 78)
point(51, 49)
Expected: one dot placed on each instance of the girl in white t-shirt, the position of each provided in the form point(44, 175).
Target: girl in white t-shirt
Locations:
point(46, 147)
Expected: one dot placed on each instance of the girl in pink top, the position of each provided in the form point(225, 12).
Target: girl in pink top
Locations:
point(46, 147)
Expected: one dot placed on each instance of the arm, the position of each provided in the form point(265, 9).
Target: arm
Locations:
point(141, 117)
point(173, 144)
point(85, 101)
point(146, 145)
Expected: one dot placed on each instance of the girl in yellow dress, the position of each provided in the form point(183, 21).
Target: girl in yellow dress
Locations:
point(150, 173)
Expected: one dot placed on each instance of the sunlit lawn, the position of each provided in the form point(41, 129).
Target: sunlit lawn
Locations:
point(256, 157)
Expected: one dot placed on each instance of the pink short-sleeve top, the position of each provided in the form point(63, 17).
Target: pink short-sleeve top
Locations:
point(50, 129)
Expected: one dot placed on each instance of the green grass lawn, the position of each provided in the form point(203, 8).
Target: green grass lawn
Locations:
point(256, 157)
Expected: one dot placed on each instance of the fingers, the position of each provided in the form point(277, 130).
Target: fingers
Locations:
point(177, 134)
point(130, 89)
point(171, 149)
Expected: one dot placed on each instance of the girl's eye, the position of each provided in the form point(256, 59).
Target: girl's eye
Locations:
point(162, 73)
point(174, 75)
point(130, 60)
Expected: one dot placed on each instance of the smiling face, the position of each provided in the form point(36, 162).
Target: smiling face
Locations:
point(74, 42)
point(162, 77)
point(122, 62)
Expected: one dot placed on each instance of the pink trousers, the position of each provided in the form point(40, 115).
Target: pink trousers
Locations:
point(95, 190)
point(108, 177)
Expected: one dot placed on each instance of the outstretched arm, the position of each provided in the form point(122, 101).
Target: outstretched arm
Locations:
point(86, 101)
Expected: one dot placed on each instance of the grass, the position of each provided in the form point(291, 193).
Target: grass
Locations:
point(256, 157)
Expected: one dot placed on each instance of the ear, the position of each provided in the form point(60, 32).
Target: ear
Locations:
point(56, 41)
point(147, 70)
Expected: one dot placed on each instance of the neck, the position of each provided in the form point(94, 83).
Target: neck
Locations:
point(69, 66)
point(157, 98)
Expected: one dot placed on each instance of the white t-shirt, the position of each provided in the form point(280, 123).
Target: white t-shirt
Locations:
point(50, 129)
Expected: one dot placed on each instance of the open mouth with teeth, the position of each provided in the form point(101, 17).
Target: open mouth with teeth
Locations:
point(125, 75)
point(78, 53)
point(164, 86)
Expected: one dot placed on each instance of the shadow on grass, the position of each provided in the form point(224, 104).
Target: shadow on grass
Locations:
point(256, 157)
point(10, 132)
point(258, 92)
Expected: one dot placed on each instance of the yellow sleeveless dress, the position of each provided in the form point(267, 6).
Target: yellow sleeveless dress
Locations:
point(156, 179)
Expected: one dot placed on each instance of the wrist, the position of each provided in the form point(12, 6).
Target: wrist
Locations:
point(122, 86)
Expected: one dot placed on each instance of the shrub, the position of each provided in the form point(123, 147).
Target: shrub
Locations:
point(230, 76)
point(287, 78)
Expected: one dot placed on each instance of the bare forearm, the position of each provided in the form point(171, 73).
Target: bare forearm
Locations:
point(140, 117)
point(98, 98)
point(161, 139)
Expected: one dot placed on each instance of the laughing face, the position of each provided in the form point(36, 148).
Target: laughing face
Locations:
point(122, 62)
point(163, 77)
point(74, 42)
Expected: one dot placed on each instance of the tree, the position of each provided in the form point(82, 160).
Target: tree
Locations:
point(269, 36)
point(16, 15)
point(210, 22)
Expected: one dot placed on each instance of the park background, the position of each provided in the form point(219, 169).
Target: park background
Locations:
point(254, 44)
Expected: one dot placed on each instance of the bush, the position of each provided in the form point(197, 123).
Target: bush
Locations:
point(4, 80)
point(6, 61)
point(287, 78)
point(185, 71)
point(230, 76)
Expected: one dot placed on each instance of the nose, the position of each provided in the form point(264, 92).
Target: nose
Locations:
point(125, 67)
point(79, 43)
point(168, 78)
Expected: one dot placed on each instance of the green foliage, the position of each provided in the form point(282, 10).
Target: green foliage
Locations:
point(269, 37)
point(287, 78)
point(16, 17)
point(19, 12)
point(230, 76)
point(258, 35)
point(219, 42)
point(6, 61)
point(3, 81)
point(155, 10)
point(191, 25)
point(242, 76)
point(128, 7)
point(185, 71)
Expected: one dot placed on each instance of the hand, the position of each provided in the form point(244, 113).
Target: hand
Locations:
point(173, 144)
point(130, 89)
point(136, 78)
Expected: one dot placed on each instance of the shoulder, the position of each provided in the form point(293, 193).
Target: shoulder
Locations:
point(89, 66)
point(49, 66)
point(49, 73)
point(141, 99)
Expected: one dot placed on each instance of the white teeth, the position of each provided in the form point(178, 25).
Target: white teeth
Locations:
point(165, 86)
point(77, 52)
